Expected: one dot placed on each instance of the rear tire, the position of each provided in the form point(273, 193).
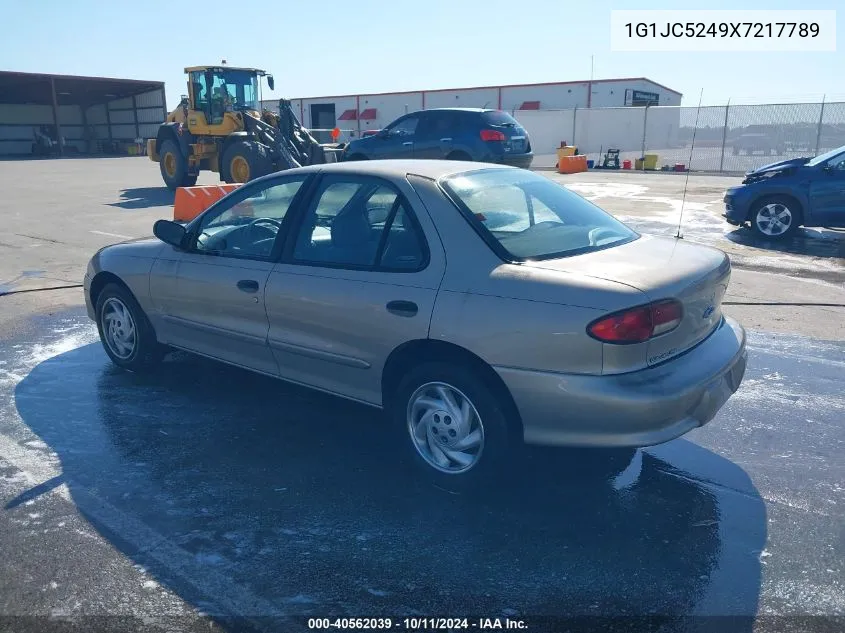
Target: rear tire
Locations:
point(452, 428)
point(775, 217)
point(125, 332)
point(174, 166)
point(244, 161)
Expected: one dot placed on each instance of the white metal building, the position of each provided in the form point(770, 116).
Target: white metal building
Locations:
point(354, 114)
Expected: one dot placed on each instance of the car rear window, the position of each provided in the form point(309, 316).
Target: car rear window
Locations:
point(524, 216)
point(498, 118)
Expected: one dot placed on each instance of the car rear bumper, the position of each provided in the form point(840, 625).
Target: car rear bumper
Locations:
point(514, 160)
point(640, 408)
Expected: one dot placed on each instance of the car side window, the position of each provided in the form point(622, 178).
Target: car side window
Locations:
point(248, 227)
point(837, 163)
point(437, 125)
point(403, 246)
point(447, 124)
point(405, 127)
point(353, 222)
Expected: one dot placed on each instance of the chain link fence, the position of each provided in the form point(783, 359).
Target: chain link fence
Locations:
point(729, 138)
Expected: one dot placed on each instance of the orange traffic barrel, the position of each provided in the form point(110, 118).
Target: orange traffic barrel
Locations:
point(191, 201)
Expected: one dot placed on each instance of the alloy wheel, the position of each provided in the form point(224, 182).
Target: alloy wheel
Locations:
point(774, 219)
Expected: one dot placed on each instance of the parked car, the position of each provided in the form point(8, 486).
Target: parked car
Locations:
point(488, 307)
point(473, 134)
point(752, 143)
point(778, 198)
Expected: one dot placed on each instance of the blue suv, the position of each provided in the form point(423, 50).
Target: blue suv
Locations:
point(778, 198)
point(476, 134)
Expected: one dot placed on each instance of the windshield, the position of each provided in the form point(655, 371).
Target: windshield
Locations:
point(821, 158)
point(525, 216)
point(240, 87)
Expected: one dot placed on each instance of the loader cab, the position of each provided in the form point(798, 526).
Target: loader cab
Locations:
point(216, 91)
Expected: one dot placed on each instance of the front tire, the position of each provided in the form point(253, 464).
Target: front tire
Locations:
point(174, 166)
point(125, 332)
point(453, 427)
point(775, 217)
point(244, 161)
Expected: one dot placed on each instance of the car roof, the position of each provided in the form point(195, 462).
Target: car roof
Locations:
point(458, 110)
point(432, 169)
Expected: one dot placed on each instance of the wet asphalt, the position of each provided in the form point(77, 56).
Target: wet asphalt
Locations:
point(207, 498)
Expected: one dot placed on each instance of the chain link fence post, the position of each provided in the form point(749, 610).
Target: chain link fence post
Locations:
point(819, 130)
point(724, 138)
point(645, 131)
point(574, 117)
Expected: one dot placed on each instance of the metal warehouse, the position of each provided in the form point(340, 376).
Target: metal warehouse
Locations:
point(354, 114)
point(43, 114)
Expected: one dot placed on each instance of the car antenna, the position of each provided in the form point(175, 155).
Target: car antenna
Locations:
point(679, 235)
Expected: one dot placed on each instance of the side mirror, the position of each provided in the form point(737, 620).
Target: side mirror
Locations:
point(170, 232)
point(271, 82)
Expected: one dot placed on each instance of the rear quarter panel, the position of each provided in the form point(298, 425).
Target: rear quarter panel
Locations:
point(513, 315)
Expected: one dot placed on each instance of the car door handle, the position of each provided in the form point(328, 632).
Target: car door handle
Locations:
point(446, 140)
point(402, 308)
point(406, 143)
point(248, 285)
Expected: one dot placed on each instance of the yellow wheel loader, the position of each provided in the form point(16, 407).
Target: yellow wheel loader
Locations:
point(220, 126)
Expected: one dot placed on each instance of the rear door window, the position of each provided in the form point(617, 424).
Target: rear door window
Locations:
point(359, 223)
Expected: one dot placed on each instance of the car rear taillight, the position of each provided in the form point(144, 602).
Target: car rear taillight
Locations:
point(637, 324)
point(492, 135)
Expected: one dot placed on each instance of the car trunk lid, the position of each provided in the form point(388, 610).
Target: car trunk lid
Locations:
point(662, 268)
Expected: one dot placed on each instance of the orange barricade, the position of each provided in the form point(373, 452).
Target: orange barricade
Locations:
point(191, 201)
point(572, 164)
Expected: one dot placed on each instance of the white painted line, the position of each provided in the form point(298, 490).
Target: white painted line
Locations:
point(191, 193)
point(207, 192)
point(125, 237)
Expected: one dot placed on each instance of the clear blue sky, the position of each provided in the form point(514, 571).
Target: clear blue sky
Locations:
point(332, 47)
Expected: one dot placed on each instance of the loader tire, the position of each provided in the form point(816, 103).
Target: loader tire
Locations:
point(244, 161)
point(174, 166)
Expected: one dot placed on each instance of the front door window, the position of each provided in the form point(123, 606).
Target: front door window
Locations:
point(249, 226)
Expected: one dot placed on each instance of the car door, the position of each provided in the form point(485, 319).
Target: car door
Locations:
point(358, 279)
point(827, 193)
point(209, 297)
point(436, 134)
point(397, 139)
